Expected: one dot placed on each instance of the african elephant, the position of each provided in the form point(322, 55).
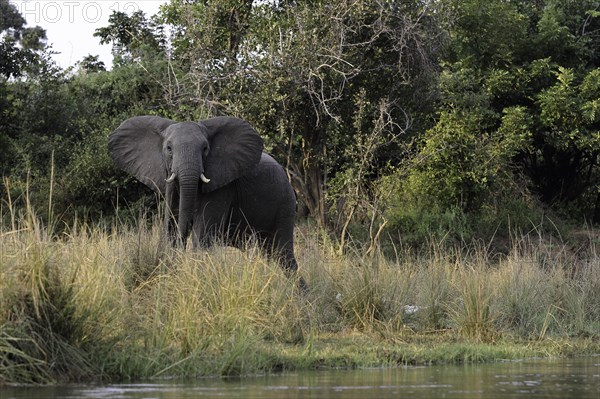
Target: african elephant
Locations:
point(216, 180)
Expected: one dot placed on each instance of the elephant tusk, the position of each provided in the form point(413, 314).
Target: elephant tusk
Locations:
point(171, 178)
point(204, 178)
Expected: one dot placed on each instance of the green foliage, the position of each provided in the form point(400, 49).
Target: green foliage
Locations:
point(486, 34)
point(91, 64)
point(451, 168)
point(56, 123)
point(20, 46)
point(568, 111)
point(474, 112)
point(417, 227)
point(133, 37)
point(518, 102)
point(295, 70)
point(461, 162)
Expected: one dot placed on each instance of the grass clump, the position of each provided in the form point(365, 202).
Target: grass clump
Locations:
point(100, 303)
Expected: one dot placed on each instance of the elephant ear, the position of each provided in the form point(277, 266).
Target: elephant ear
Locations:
point(235, 149)
point(136, 147)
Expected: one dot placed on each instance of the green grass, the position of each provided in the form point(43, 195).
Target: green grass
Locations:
point(117, 303)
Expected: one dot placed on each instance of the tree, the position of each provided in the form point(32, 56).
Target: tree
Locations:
point(297, 69)
point(132, 36)
point(23, 56)
point(91, 64)
point(520, 79)
point(20, 46)
point(54, 122)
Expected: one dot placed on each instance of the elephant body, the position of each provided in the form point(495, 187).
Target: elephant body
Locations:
point(217, 182)
point(260, 204)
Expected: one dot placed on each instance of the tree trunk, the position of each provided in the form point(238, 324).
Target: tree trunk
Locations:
point(308, 182)
point(596, 217)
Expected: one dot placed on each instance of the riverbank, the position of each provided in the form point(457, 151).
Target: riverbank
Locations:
point(116, 303)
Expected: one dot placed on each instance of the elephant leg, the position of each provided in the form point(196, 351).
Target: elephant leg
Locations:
point(201, 240)
point(288, 263)
point(210, 224)
point(290, 267)
point(281, 249)
point(171, 214)
point(203, 234)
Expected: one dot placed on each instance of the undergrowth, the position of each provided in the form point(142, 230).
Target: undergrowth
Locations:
point(115, 303)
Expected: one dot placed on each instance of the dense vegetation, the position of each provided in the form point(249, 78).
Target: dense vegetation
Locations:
point(393, 118)
point(405, 126)
point(103, 305)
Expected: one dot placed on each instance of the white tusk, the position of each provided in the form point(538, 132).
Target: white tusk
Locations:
point(204, 178)
point(171, 178)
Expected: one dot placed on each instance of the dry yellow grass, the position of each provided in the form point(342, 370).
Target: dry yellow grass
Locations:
point(99, 302)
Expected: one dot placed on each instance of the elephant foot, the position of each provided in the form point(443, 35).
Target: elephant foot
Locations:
point(299, 280)
point(302, 286)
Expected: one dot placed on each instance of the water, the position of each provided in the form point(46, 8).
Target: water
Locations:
point(562, 378)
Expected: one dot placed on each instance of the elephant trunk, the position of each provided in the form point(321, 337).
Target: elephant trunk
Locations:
point(188, 192)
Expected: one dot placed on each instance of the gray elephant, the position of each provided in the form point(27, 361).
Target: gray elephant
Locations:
point(216, 180)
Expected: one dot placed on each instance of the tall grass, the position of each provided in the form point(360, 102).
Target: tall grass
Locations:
point(116, 302)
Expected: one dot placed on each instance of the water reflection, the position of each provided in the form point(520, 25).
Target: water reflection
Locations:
point(570, 378)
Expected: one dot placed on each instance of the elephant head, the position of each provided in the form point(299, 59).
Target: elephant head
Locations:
point(171, 157)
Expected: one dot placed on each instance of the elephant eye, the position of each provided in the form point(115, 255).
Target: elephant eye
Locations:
point(169, 149)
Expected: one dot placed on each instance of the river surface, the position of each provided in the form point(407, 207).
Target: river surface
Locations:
point(559, 378)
